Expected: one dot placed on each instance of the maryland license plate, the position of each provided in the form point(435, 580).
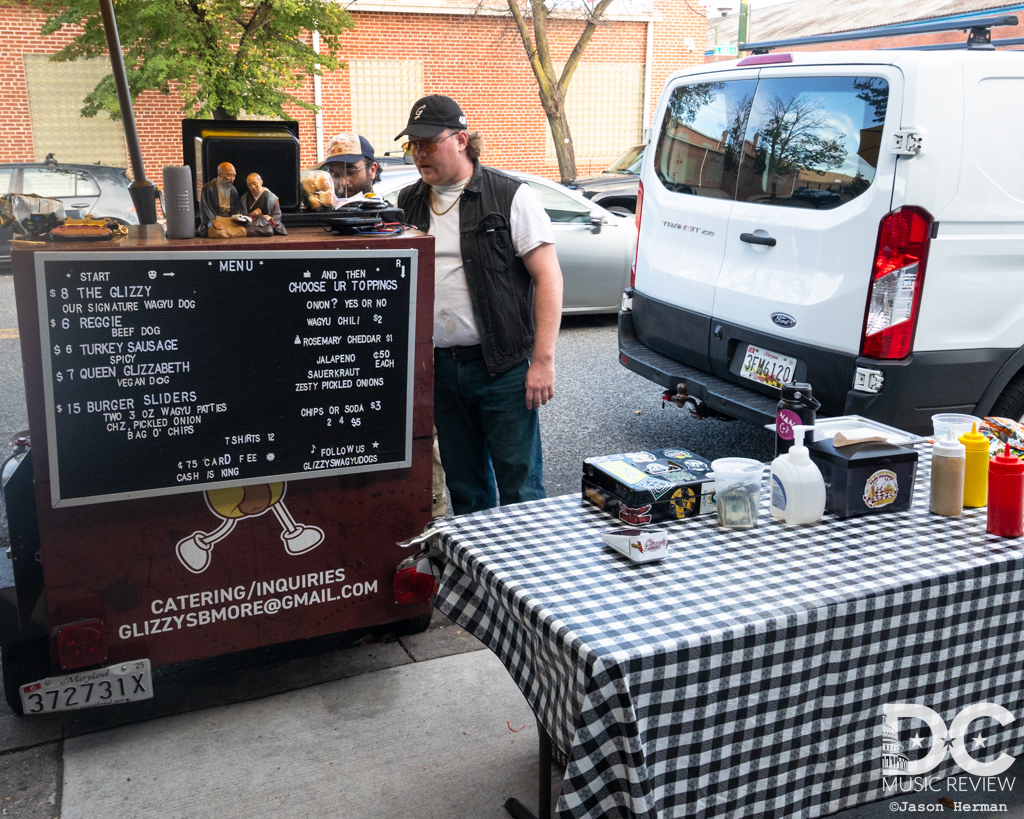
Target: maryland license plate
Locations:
point(113, 685)
point(767, 367)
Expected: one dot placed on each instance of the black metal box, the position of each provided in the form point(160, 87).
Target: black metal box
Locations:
point(865, 479)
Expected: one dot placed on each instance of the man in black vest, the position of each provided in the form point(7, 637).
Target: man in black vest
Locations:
point(497, 307)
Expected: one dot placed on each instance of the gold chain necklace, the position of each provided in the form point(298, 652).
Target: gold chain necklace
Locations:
point(443, 212)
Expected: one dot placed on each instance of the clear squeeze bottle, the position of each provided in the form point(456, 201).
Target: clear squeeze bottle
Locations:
point(1006, 495)
point(949, 458)
point(798, 490)
point(976, 472)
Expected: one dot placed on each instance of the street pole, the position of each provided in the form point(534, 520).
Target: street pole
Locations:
point(143, 192)
point(744, 22)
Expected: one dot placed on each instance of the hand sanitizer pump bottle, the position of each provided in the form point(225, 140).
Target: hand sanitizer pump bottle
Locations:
point(798, 490)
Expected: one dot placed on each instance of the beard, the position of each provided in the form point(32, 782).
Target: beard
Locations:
point(352, 188)
point(224, 188)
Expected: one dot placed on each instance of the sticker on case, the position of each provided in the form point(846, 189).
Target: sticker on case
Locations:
point(881, 489)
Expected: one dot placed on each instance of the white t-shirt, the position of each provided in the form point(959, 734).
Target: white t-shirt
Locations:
point(454, 323)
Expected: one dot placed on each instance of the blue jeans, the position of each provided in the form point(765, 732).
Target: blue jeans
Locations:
point(489, 440)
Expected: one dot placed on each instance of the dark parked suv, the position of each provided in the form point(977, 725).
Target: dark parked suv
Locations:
point(85, 190)
point(615, 188)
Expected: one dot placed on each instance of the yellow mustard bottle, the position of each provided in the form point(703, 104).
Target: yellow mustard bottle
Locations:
point(976, 471)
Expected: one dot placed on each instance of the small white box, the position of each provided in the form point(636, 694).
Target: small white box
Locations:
point(639, 545)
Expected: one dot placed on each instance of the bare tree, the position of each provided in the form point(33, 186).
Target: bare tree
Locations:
point(553, 88)
point(795, 135)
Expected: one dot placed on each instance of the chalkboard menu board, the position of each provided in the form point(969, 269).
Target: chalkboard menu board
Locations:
point(176, 372)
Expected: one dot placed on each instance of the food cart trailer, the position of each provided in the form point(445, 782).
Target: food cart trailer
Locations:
point(229, 440)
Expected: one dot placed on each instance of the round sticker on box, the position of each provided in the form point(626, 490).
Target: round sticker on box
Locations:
point(881, 489)
point(684, 502)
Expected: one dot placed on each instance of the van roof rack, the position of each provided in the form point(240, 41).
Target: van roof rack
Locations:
point(979, 33)
point(1005, 42)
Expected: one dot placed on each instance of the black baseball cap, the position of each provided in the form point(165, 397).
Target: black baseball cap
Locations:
point(432, 114)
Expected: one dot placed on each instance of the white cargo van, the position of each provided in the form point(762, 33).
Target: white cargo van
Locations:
point(854, 220)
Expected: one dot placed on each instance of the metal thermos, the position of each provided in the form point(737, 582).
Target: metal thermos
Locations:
point(797, 406)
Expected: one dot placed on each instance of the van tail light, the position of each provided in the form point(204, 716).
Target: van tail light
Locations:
point(639, 213)
point(414, 581)
point(897, 280)
point(81, 644)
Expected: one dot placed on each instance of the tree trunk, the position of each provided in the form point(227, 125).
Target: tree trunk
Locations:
point(553, 89)
point(220, 113)
point(564, 149)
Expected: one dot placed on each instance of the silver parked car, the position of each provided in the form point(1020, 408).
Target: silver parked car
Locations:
point(595, 247)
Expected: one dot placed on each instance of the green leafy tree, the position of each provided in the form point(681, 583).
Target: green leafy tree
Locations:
point(553, 86)
point(220, 56)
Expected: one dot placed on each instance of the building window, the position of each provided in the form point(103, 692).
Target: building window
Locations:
point(383, 91)
point(605, 110)
point(56, 92)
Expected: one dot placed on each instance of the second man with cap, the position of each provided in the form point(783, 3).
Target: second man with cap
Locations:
point(349, 160)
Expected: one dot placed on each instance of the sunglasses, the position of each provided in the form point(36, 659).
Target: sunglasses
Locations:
point(425, 146)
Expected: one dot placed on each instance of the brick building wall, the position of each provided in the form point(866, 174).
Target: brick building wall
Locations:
point(478, 60)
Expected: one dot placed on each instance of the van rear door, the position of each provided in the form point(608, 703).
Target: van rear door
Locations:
point(815, 180)
point(688, 195)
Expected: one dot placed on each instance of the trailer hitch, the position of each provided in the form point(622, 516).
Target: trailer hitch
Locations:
point(681, 398)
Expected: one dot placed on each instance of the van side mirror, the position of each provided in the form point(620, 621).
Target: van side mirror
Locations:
point(595, 223)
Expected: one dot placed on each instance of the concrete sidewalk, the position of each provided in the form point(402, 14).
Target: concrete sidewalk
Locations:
point(421, 740)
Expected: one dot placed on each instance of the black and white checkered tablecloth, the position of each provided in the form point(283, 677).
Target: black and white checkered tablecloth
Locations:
point(745, 674)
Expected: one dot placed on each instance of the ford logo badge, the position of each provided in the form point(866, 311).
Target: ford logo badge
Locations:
point(783, 320)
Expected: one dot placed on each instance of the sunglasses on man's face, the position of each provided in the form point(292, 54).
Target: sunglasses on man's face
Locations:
point(423, 146)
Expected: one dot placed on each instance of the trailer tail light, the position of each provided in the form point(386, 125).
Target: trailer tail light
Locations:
point(639, 213)
point(414, 581)
point(81, 644)
point(897, 280)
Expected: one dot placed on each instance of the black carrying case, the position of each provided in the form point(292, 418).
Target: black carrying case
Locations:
point(650, 486)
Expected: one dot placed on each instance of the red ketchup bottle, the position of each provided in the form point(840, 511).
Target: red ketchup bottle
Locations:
point(1006, 495)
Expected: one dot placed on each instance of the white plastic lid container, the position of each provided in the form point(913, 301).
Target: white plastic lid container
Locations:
point(959, 424)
